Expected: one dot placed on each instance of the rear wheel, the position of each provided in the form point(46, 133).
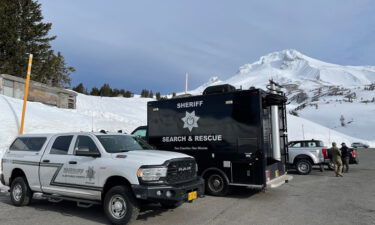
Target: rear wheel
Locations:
point(303, 166)
point(216, 184)
point(120, 206)
point(20, 193)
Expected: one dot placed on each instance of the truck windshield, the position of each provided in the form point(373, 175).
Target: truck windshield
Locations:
point(122, 143)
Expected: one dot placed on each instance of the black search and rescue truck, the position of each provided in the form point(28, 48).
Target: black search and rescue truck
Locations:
point(231, 133)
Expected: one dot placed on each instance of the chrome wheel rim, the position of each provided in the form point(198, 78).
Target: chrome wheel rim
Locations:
point(17, 192)
point(117, 206)
point(216, 183)
point(303, 167)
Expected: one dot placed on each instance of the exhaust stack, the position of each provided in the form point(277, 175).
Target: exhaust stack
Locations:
point(275, 126)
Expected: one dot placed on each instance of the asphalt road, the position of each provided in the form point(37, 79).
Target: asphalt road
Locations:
point(319, 198)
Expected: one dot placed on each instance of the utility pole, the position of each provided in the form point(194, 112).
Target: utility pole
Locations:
point(303, 132)
point(26, 92)
point(186, 82)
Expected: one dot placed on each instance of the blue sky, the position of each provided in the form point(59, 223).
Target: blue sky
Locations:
point(151, 44)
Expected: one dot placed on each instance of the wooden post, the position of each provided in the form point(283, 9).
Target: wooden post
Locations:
point(26, 92)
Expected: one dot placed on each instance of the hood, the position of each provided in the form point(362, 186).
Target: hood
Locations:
point(151, 157)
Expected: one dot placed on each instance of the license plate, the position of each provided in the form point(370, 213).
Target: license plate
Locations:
point(192, 196)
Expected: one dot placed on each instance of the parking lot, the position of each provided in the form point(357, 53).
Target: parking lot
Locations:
point(319, 198)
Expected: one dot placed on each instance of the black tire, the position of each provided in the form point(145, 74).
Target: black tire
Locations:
point(171, 205)
point(120, 206)
point(216, 184)
point(20, 192)
point(303, 166)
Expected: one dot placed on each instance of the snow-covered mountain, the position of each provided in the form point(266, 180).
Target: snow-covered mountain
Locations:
point(291, 66)
point(318, 91)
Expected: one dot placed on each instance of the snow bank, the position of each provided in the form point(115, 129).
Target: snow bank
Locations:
point(92, 113)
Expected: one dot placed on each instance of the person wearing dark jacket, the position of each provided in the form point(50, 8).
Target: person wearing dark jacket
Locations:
point(345, 157)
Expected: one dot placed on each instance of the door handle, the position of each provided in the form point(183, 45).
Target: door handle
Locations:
point(46, 161)
point(72, 162)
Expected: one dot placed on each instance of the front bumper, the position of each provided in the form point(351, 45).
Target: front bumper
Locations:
point(2, 178)
point(159, 193)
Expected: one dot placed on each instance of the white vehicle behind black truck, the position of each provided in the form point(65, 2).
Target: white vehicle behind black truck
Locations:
point(304, 154)
point(115, 170)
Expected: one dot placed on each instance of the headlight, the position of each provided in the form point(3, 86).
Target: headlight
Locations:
point(152, 173)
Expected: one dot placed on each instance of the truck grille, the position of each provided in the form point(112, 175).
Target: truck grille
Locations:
point(181, 170)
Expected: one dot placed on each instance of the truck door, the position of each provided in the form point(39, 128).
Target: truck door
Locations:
point(247, 168)
point(83, 172)
point(53, 163)
point(26, 152)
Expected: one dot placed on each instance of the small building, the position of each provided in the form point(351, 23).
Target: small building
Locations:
point(14, 87)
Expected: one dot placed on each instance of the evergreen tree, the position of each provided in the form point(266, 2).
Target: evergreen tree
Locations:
point(95, 91)
point(128, 94)
point(116, 92)
point(158, 96)
point(80, 89)
point(22, 31)
point(173, 94)
point(105, 90)
point(151, 95)
point(145, 93)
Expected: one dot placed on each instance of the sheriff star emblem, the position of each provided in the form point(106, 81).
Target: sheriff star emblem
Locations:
point(190, 120)
point(90, 173)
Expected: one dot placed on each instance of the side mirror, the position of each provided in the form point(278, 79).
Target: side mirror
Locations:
point(84, 151)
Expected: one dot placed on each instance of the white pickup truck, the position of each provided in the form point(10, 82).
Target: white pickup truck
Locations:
point(116, 170)
point(306, 153)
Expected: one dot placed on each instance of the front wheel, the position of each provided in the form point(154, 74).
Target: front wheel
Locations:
point(20, 193)
point(303, 166)
point(120, 206)
point(216, 184)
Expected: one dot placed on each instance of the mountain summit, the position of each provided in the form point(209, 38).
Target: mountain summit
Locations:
point(291, 66)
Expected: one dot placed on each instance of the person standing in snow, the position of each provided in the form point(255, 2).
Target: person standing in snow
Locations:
point(345, 157)
point(336, 158)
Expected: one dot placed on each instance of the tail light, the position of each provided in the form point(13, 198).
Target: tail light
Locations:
point(354, 154)
point(268, 175)
point(325, 153)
